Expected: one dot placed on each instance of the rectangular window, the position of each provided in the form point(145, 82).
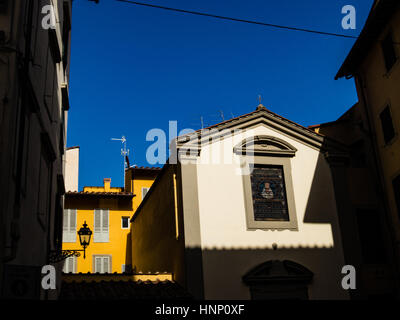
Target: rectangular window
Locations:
point(102, 264)
point(387, 125)
point(269, 194)
point(389, 52)
point(70, 265)
point(144, 192)
point(396, 190)
point(370, 235)
point(69, 225)
point(125, 222)
point(101, 225)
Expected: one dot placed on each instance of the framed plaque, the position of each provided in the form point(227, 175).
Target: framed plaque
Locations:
point(269, 193)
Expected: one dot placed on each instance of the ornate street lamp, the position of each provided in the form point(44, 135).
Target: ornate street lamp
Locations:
point(84, 234)
point(84, 237)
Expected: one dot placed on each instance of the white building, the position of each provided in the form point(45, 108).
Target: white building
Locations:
point(249, 211)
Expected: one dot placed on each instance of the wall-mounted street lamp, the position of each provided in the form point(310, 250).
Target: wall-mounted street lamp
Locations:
point(84, 234)
point(84, 237)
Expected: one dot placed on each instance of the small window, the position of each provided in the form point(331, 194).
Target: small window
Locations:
point(396, 189)
point(69, 225)
point(102, 264)
point(370, 236)
point(389, 53)
point(101, 225)
point(144, 192)
point(387, 125)
point(125, 222)
point(70, 265)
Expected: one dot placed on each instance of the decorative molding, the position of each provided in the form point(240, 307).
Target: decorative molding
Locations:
point(265, 146)
point(276, 271)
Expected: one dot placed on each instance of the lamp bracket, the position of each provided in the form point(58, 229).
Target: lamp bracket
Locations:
point(57, 256)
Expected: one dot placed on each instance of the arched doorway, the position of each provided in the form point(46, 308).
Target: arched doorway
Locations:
point(278, 280)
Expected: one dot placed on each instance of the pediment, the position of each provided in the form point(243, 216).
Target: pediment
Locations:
point(278, 271)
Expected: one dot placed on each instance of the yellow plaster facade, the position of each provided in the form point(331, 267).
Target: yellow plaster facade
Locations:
point(115, 207)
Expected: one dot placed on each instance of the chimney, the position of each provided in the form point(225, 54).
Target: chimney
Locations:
point(107, 184)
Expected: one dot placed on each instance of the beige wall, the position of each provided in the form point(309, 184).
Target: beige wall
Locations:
point(72, 169)
point(379, 89)
point(155, 246)
point(230, 250)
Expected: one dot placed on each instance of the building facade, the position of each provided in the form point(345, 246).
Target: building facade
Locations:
point(107, 212)
point(365, 229)
point(248, 212)
point(34, 74)
point(374, 63)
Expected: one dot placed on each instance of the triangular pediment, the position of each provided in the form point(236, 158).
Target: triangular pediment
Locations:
point(261, 116)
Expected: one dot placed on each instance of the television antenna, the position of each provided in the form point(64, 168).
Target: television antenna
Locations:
point(124, 153)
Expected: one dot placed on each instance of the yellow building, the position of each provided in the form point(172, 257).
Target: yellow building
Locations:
point(375, 65)
point(107, 211)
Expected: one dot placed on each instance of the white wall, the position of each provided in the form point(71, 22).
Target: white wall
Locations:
point(72, 169)
point(230, 249)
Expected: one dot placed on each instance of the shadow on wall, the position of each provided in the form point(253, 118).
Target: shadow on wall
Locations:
point(223, 271)
point(93, 202)
point(128, 254)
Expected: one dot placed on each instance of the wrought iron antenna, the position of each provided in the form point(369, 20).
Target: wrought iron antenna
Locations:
point(124, 153)
point(202, 122)
point(259, 99)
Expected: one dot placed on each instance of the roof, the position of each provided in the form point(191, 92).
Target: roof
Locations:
point(343, 118)
point(260, 108)
point(74, 147)
point(122, 290)
point(146, 168)
point(100, 194)
point(262, 114)
point(379, 16)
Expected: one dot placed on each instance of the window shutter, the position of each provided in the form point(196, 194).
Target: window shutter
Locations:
point(106, 264)
point(72, 221)
point(144, 192)
point(97, 221)
point(65, 220)
point(105, 221)
point(71, 264)
point(101, 225)
point(69, 225)
point(97, 264)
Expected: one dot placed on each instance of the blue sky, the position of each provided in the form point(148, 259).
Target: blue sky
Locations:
point(136, 68)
